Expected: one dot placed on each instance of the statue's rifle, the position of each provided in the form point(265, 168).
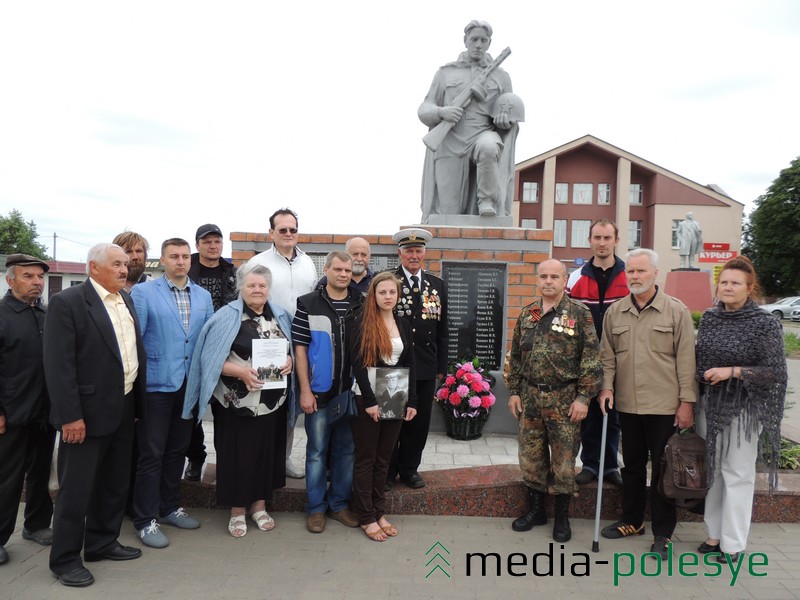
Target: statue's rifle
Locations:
point(433, 139)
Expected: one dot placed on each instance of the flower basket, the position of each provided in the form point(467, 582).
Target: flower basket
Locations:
point(466, 398)
point(463, 428)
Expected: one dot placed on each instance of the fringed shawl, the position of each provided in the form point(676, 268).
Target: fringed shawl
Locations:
point(751, 339)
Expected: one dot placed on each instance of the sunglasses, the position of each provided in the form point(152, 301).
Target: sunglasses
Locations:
point(285, 230)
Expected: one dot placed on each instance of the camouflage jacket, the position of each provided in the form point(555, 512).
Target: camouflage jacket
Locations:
point(558, 347)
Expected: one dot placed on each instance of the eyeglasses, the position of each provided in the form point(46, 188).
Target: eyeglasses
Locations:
point(285, 230)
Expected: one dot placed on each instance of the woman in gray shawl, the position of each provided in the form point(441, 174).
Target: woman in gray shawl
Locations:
point(741, 366)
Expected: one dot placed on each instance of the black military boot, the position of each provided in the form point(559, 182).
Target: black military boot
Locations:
point(561, 529)
point(535, 515)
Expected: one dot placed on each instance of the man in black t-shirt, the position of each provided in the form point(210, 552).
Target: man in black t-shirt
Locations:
point(212, 272)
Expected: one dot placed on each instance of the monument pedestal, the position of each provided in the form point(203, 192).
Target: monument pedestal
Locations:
point(692, 287)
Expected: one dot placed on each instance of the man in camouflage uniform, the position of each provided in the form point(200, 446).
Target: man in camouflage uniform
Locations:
point(554, 371)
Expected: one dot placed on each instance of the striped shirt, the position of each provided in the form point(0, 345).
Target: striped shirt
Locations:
point(183, 299)
point(301, 334)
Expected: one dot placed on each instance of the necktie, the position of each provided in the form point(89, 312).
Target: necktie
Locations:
point(415, 284)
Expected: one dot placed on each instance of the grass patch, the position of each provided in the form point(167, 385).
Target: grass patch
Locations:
point(792, 344)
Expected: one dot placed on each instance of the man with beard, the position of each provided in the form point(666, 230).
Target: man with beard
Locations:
point(26, 438)
point(359, 250)
point(136, 247)
point(647, 351)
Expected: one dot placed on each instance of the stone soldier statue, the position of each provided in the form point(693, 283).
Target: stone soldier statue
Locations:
point(473, 116)
point(554, 372)
point(690, 241)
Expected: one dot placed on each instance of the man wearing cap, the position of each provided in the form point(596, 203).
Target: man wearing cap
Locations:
point(94, 364)
point(423, 302)
point(26, 438)
point(218, 276)
point(136, 247)
point(172, 311)
point(293, 275)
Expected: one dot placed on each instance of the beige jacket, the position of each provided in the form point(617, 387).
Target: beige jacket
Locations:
point(648, 357)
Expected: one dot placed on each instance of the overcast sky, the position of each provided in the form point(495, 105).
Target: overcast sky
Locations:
point(159, 116)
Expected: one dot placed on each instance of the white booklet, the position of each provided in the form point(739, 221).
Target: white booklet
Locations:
point(269, 356)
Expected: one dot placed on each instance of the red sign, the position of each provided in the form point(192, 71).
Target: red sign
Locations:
point(716, 246)
point(716, 256)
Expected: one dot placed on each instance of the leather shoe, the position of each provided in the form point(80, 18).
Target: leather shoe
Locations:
point(614, 478)
point(316, 522)
point(585, 477)
point(193, 471)
point(118, 553)
point(3, 555)
point(708, 548)
point(388, 486)
point(723, 558)
point(345, 516)
point(79, 577)
point(415, 482)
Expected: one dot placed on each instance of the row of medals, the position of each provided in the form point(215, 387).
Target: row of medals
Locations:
point(564, 324)
point(431, 308)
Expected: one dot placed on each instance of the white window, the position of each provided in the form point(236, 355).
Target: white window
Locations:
point(560, 233)
point(637, 193)
point(604, 193)
point(582, 194)
point(675, 223)
point(580, 233)
point(530, 191)
point(529, 223)
point(634, 234)
point(562, 193)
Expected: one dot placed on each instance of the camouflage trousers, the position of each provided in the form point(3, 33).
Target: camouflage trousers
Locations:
point(548, 441)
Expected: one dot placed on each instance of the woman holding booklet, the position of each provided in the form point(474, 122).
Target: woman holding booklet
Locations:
point(240, 344)
point(382, 352)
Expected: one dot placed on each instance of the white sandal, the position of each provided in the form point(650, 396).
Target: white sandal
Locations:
point(263, 520)
point(237, 526)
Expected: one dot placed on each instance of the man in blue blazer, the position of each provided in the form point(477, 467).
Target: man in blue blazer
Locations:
point(172, 311)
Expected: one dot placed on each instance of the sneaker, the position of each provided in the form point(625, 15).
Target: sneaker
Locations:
point(43, 537)
point(151, 536)
point(180, 519)
point(316, 522)
point(661, 547)
point(294, 471)
point(621, 529)
point(345, 517)
point(585, 477)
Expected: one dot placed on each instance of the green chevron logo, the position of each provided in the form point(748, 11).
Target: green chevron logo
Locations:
point(438, 558)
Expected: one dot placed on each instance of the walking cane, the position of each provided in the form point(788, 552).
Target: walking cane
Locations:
point(600, 472)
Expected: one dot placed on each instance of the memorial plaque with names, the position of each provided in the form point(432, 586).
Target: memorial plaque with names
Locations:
point(475, 320)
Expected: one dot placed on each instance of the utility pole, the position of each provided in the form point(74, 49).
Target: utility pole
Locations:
point(54, 246)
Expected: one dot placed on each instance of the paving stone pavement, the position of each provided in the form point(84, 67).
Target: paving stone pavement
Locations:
point(341, 563)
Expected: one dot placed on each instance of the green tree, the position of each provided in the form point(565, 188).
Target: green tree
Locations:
point(18, 236)
point(772, 236)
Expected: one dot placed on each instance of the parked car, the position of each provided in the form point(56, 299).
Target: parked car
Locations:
point(783, 308)
point(796, 314)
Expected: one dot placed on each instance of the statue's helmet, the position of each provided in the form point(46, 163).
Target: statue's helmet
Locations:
point(511, 104)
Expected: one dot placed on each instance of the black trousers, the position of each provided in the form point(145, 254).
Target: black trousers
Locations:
point(93, 480)
point(643, 435)
point(26, 452)
point(413, 434)
point(162, 437)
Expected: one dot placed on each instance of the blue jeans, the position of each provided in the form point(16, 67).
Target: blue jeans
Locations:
point(321, 434)
point(591, 434)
